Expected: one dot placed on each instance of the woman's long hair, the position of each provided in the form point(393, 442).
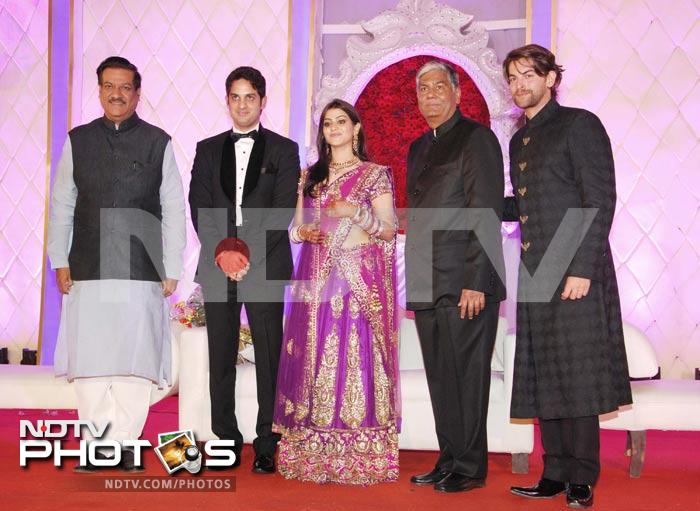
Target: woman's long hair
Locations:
point(318, 172)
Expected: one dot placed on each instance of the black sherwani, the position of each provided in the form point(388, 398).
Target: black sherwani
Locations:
point(570, 362)
point(570, 355)
point(452, 174)
point(270, 183)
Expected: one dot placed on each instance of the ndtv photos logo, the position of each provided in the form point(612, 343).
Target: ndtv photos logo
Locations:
point(43, 439)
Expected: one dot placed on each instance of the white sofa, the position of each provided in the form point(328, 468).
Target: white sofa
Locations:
point(657, 404)
point(31, 387)
point(418, 427)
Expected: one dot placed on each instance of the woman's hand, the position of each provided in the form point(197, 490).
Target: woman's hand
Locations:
point(311, 233)
point(340, 209)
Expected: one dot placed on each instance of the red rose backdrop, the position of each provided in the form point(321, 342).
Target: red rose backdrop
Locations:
point(391, 119)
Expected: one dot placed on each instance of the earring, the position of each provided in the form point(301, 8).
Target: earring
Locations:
point(355, 143)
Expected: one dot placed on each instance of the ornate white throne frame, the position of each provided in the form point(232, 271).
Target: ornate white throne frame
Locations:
point(422, 27)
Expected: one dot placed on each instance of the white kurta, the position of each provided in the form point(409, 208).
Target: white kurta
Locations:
point(115, 327)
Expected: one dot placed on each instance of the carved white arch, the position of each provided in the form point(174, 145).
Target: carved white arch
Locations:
point(423, 27)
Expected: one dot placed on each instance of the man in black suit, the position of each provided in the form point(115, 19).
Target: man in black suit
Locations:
point(240, 179)
point(453, 250)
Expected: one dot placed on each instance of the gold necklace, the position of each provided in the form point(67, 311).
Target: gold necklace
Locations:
point(337, 167)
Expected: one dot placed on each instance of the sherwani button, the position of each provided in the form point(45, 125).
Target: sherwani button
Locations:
point(525, 245)
point(522, 191)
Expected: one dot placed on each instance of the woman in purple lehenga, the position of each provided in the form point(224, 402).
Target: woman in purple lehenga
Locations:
point(338, 401)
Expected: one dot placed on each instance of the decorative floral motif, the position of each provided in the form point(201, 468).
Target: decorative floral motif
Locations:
point(353, 411)
point(382, 389)
point(288, 407)
point(362, 457)
point(354, 308)
point(337, 305)
point(324, 387)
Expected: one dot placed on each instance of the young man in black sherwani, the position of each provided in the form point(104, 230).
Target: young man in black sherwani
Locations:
point(570, 363)
point(239, 178)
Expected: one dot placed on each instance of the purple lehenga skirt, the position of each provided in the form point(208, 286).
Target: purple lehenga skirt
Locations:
point(336, 391)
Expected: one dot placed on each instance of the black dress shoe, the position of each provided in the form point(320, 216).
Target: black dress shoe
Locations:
point(579, 496)
point(545, 489)
point(458, 482)
point(127, 463)
point(264, 464)
point(434, 476)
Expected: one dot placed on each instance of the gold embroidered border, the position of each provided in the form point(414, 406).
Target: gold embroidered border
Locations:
point(353, 410)
point(324, 386)
point(361, 457)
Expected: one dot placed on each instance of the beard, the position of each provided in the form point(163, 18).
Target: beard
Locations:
point(529, 99)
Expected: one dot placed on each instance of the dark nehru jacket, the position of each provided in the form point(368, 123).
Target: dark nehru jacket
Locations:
point(117, 168)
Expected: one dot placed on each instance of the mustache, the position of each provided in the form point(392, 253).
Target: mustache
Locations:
point(117, 100)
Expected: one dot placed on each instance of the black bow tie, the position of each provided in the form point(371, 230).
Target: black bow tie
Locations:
point(237, 136)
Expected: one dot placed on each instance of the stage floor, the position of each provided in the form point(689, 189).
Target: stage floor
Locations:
point(670, 480)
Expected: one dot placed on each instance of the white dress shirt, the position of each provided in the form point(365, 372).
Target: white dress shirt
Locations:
point(243, 148)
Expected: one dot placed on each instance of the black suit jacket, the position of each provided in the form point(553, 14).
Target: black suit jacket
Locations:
point(454, 182)
point(270, 183)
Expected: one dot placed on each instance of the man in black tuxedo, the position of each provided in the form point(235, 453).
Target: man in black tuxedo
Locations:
point(453, 261)
point(240, 179)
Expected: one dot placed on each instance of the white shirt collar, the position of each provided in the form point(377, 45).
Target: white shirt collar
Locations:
point(257, 127)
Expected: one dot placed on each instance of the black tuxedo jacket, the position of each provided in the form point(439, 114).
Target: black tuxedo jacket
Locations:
point(270, 183)
point(450, 178)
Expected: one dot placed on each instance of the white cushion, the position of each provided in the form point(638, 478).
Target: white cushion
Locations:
point(31, 387)
point(641, 358)
point(499, 347)
point(410, 356)
point(659, 404)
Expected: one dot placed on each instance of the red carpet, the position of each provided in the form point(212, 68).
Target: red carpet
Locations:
point(670, 481)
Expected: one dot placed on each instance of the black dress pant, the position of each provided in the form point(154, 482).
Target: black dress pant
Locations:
point(457, 357)
point(223, 324)
point(571, 449)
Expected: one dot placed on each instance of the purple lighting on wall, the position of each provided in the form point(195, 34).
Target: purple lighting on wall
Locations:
point(542, 23)
point(58, 92)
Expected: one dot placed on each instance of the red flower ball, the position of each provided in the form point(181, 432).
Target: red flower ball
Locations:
point(228, 255)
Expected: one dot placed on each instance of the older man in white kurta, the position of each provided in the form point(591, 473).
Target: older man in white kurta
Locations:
point(116, 240)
